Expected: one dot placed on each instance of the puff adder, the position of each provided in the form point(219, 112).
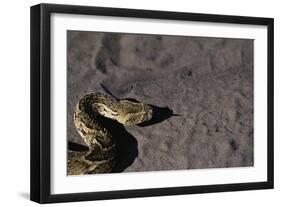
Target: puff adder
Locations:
point(102, 153)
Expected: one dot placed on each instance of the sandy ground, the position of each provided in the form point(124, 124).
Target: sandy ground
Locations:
point(207, 81)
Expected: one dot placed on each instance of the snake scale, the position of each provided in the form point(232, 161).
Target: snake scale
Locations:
point(101, 154)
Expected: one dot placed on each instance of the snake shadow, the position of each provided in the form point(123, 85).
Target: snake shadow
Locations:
point(127, 145)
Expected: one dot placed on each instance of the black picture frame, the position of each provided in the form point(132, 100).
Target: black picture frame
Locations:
point(41, 95)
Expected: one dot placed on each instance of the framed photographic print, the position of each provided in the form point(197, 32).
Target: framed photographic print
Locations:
point(132, 103)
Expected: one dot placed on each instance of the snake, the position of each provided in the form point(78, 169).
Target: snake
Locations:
point(102, 147)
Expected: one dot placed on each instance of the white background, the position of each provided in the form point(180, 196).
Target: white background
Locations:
point(14, 102)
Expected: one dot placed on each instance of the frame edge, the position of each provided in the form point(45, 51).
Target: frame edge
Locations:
point(35, 161)
point(270, 102)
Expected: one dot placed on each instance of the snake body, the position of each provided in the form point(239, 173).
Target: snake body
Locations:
point(102, 153)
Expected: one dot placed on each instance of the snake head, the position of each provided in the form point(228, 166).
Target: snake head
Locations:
point(132, 112)
point(147, 112)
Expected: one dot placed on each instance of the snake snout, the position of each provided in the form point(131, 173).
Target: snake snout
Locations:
point(149, 113)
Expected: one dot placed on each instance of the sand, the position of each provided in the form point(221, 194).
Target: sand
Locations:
point(208, 82)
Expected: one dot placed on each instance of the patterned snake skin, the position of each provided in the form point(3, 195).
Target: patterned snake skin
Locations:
point(102, 153)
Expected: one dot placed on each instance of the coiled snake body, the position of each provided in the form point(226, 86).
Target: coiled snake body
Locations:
point(102, 153)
